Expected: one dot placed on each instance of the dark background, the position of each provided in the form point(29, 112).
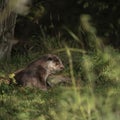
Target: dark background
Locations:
point(52, 15)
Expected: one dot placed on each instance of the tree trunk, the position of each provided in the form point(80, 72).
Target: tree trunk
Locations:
point(7, 25)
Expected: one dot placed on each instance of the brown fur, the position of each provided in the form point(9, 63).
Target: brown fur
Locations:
point(36, 73)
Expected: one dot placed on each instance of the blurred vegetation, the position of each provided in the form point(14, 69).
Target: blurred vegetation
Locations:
point(51, 16)
point(85, 34)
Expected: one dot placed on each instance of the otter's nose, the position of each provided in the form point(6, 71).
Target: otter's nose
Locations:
point(62, 67)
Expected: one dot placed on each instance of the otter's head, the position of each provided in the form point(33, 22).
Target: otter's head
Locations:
point(52, 63)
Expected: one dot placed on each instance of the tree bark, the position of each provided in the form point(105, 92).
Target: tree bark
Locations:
point(7, 25)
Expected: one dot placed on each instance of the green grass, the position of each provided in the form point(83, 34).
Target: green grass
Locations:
point(23, 103)
point(94, 95)
point(59, 103)
point(95, 75)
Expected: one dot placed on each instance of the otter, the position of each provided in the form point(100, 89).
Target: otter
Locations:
point(37, 72)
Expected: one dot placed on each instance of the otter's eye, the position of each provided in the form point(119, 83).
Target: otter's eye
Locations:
point(49, 58)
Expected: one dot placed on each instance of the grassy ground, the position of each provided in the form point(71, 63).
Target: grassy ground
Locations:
point(94, 94)
point(59, 103)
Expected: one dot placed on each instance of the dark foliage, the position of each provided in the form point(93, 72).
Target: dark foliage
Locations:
point(51, 16)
